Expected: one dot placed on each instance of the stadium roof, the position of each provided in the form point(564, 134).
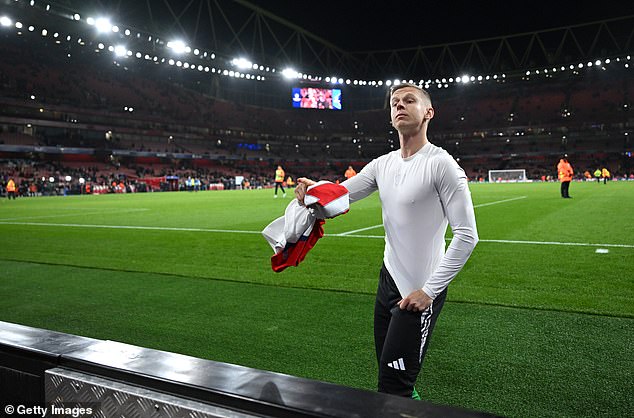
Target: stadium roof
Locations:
point(362, 25)
point(377, 40)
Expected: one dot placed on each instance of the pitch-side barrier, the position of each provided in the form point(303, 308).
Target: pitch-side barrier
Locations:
point(52, 374)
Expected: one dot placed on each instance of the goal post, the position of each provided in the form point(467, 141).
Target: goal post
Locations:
point(507, 176)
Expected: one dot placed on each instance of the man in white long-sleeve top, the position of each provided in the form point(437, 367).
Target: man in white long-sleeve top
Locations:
point(422, 190)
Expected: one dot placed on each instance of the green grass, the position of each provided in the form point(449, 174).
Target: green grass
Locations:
point(531, 328)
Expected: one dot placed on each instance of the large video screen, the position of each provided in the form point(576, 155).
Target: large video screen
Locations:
point(316, 98)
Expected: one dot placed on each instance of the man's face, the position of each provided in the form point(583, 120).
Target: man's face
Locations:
point(409, 109)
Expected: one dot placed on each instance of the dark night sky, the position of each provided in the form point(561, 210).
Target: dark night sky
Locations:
point(372, 25)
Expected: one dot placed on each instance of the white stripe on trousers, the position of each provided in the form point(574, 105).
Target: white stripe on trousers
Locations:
point(425, 322)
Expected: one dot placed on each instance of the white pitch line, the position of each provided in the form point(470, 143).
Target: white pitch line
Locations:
point(568, 244)
point(476, 206)
point(73, 214)
point(152, 228)
point(237, 231)
point(499, 201)
point(358, 230)
point(504, 241)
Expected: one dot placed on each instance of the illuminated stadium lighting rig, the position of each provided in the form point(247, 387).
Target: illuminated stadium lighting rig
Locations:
point(5, 21)
point(245, 67)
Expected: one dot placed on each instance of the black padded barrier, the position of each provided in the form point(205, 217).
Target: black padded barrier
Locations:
point(26, 353)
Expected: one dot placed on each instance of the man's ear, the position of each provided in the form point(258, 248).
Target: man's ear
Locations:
point(429, 114)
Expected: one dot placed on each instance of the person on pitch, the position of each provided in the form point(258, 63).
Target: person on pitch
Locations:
point(350, 172)
point(279, 181)
point(422, 190)
point(565, 173)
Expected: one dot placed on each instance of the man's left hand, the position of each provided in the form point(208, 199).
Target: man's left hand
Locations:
point(416, 301)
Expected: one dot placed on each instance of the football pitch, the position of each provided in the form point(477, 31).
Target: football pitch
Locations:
point(539, 323)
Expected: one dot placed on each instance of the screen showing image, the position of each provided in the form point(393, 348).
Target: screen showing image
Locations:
point(316, 98)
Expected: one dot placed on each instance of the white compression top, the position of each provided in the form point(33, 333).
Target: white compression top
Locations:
point(420, 195)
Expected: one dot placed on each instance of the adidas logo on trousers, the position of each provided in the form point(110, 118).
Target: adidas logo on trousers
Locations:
point(397, 364)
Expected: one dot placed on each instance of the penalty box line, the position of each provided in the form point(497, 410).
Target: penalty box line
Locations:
point(238, 231)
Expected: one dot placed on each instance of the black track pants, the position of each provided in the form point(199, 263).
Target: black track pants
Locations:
point(401, 337)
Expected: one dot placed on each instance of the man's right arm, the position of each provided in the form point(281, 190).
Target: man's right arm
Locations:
point(363, 184)
point(359, 186)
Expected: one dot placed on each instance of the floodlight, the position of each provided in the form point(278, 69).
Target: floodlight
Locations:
point(67, 178)
point(289, 73)
point(120, 51)
point(103, 25)
point(82, 180)
point(242, 63)
point(76, 16)
point(18, 25)
point(177, 46)
point(5, 21)
point(51, 179)
point(464, 78)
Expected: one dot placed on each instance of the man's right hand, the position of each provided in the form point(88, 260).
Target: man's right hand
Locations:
point(302, 185)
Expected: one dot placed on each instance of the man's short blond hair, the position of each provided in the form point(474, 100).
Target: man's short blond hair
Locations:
point(422, 91)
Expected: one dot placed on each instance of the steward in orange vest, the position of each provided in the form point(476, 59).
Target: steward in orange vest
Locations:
point(11, 189)
point(565, 173)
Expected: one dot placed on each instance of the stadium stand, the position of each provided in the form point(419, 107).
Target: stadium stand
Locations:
point(132, 124)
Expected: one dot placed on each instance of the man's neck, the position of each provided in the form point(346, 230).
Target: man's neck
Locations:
point(410, 145)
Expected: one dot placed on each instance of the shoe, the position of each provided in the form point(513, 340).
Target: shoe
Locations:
point(284, 195)
point(275, 196)
point(415, 395)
